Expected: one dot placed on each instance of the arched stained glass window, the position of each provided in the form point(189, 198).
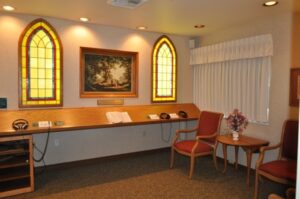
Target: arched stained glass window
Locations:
point(164, 64)
point(40, 66)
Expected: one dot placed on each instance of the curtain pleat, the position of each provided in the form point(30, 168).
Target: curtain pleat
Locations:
point(242, 84)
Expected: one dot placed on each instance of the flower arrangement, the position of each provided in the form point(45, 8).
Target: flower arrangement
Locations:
point(236, 121)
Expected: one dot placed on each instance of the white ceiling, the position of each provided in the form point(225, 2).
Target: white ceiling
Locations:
point(165, 16)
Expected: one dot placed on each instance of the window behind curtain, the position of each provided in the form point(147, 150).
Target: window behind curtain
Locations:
point(40, 66)
point(234, 74)
point(164, 70)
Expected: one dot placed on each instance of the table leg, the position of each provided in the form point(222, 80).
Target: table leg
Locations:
point(236, 149)
point(249, 158)
point(225, 157)
point(215, 156)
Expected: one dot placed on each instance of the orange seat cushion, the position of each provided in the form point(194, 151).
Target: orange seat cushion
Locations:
point(187, 146)
point(285, 169)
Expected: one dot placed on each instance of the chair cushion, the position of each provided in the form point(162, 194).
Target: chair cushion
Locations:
point(187, 146)
point(285, 169)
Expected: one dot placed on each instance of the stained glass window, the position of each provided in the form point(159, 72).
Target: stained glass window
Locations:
point(164, 71)
point(40, 66)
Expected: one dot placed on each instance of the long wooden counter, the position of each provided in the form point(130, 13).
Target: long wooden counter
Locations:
point(88, 118)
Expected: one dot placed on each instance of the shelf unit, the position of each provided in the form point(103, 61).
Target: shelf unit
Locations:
point(16, 165)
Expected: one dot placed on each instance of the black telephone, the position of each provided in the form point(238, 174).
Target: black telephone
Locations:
point(164, 116)
point(20, 124)
point(183, 114)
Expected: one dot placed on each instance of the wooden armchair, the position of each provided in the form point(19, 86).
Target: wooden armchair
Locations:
point(205, 140)
point(282, 170)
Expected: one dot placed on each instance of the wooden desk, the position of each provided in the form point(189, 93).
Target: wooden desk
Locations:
point(249, 144)
point(89, 117)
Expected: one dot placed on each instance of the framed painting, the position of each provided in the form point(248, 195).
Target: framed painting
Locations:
point(108, 73)
point(295, 87)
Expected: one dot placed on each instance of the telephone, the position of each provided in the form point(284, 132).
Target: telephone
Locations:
point(20, 124)
point(183, 114)
point(164, 116)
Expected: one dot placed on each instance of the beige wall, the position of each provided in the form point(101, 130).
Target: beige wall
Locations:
point(70, 146)
point(77, 145)
point(280, 27)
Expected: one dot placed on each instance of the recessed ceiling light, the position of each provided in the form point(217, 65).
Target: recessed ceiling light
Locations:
point(142, 27)
point(270, 3)
point(8, 8)
point(199, 26)
point(84, 19)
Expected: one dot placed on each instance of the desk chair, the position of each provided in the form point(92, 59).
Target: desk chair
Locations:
point(282, 170)
point(204, 142)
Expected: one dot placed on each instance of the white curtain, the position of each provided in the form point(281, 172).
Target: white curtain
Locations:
point(234, 74)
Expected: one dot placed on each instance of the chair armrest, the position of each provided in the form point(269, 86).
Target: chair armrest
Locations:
point(186, 130)
point(178, 132)
point(262, 153)
point(267, 148)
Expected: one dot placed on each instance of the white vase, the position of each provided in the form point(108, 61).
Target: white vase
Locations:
point(235, 135)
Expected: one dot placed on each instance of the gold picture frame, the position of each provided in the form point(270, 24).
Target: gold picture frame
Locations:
point(108, 73)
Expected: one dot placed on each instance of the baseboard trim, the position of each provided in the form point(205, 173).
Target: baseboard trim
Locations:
point(66, 165)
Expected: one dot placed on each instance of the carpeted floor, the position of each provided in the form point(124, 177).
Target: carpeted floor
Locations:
point(146, 176)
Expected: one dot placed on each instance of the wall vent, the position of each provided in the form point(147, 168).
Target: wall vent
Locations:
point(126, 3)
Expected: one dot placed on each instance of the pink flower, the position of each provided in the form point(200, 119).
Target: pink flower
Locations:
point(236, 121)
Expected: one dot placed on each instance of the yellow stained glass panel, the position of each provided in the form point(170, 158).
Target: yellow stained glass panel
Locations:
point(49, 63)
point(57, 74)
point(33, 62)
point(33, 52)
point(41, 73)
point(49, 74)
point(34, 84)
point(41, 34)
point(49, 53)
point(49, 92)
point(164, 71)
point(41, 52)
point(41, 63)
point(23, 73)
point(42, 44)
point(24, 81)
point(49, 83)
point(41, 84)
point(46, 41)
point(23, 65)
point(33, 73)
point(57, 55)
point(34, 93)
point(42, 93)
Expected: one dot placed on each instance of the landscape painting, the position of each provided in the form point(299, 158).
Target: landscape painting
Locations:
point(108, 73)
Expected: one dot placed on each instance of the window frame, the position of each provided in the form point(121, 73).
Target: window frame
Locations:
point(58, 64)
point(157, 45)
